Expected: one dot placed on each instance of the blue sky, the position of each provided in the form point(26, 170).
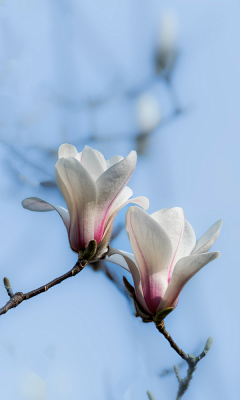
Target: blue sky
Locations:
point(80, 339)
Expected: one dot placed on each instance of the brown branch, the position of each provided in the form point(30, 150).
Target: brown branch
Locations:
point(17, 298)
point(161, 328)
point(191, 360)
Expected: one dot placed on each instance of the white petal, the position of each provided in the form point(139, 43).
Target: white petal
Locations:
point(185, 269)
point(79, 191)
point(93, 161)
point(67, 150)
point(109, 186)
point(36, 204)
point(139, 201)
point(116, 258)
point(122, 198)
point(180, 232)
point(128, 262)
point(207, 240)
point(113, 160)
point(153, 251)
point(79, 157)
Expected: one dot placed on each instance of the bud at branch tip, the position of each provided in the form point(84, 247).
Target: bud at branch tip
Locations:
point(7, 283)
point(208, 344)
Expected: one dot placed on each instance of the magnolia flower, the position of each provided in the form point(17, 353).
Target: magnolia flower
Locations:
point(148, 112)
point(94, 190)
point(166, 51)
point(166, 255)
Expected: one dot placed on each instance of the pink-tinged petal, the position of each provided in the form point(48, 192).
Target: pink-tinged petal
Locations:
point(113, 160)
point(139, 201)
point(93, 161)
point(67, 150)
point(153, 251)
point(109, 186)
point(122, 198)
point(36, 204)
point(184, 270)
point(79, 191)
point(207, 240)
point(180, 232)
point(128, 262)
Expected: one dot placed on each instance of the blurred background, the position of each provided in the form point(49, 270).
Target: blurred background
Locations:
point(161, 77)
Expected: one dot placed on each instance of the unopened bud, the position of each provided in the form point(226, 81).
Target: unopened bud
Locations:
point(168, 31)
point(166, 52)
point(8, 288)
point(7, 283)
point(208, 344)
point(148, 112)
point(150, 395)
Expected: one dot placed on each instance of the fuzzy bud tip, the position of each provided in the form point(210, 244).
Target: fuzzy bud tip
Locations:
point(7, 283)
point(208, 344)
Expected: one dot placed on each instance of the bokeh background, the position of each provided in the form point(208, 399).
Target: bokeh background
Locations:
point(159, 76)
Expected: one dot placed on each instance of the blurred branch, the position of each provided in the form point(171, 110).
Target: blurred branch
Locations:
point(19, 297)
point(191, 360)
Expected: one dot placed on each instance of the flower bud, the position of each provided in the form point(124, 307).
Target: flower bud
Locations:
point(150, 395)
point(148, 112)
point(208, 344)
point(166, 46)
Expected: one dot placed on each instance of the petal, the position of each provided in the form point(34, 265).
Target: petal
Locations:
point(93, 161)
point(207, 240)
point(79, 157)
point(67, 150)
point(79, 191)
point(184, 270)
point(113, 160)
point(128, 262)
point(36, 204)
point(109, 186)
point(153, 251)
point(122, 201)
point(122, 198)
point(180, 232)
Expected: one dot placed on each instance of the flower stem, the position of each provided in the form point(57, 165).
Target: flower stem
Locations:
point(161, 328)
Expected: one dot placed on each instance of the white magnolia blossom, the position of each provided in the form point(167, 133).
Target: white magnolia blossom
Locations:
point(166, 255)
point(148, 112)
point(168, 31)
point(94, 190)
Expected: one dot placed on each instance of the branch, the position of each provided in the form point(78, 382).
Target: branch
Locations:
point(192, 366)
point(191, 360)
point(161, 328)
point(17, 298)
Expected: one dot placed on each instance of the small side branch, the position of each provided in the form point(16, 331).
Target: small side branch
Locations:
point(17, 298)
point(192, 366)
point(191, 360)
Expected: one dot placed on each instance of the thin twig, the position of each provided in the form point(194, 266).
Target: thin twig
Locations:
point(192, 366)
point(161, 328)
point(191, 360)
point(17, 298)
